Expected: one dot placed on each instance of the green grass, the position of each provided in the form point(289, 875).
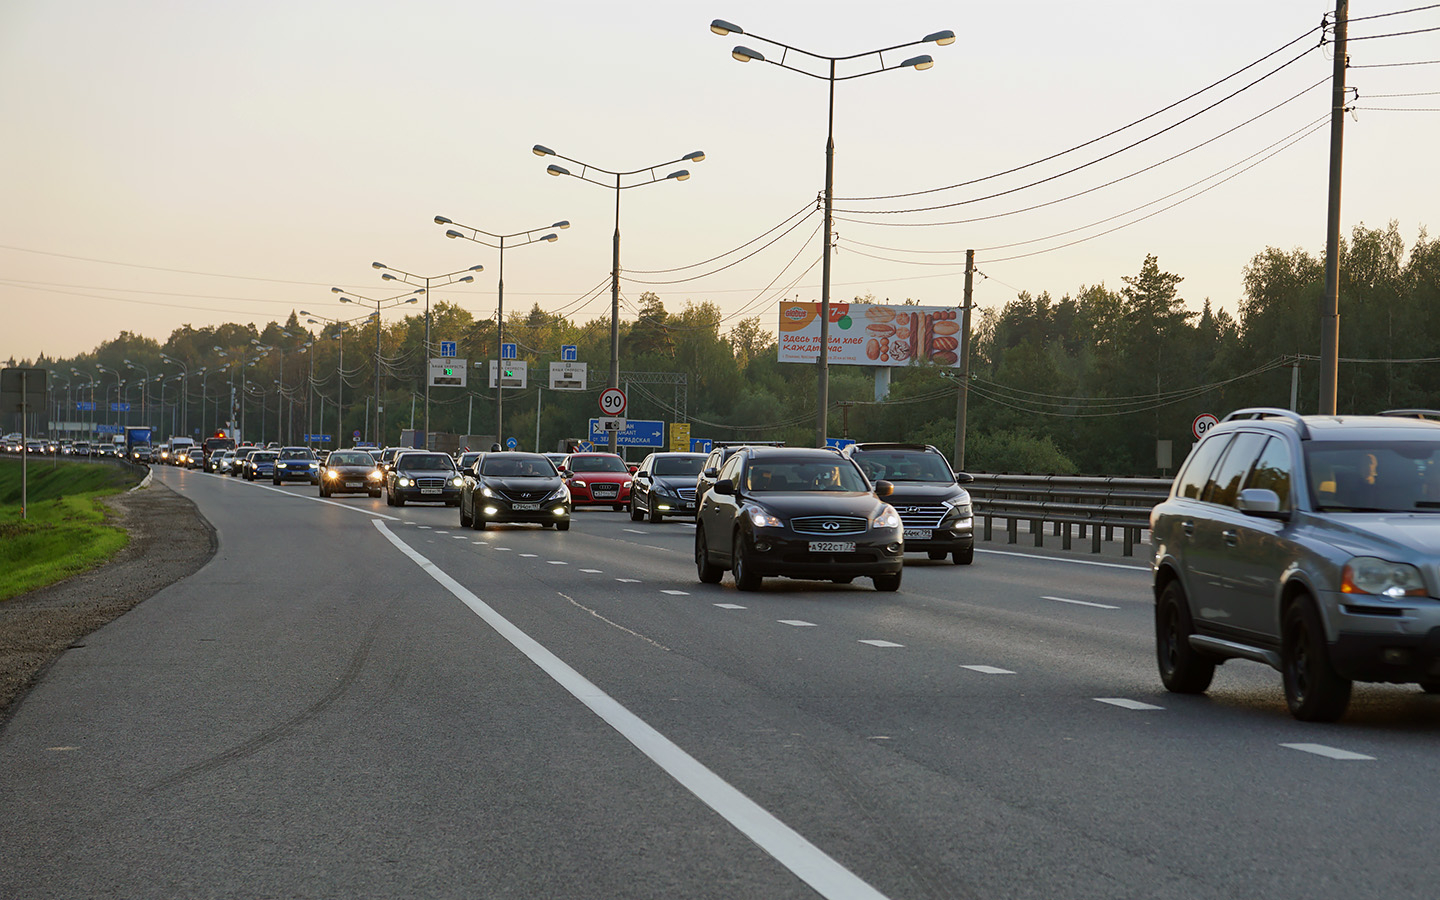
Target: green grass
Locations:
point(65, 530)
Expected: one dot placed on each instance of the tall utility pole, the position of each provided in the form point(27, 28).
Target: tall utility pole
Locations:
point(1330, 318)
point(963, 395)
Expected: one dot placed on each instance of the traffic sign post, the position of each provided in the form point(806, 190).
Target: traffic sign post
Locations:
point(612, 402)
point(449, 372)
point(507, 374)
point(1203, 423)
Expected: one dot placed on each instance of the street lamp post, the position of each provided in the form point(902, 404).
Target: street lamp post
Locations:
point(619, 185)
point(405, 277)
point(91, 381)
point(185, 392)
point(144, 390)
point(530, 237)
point(922, 62)
point(243, 361)
point(385, 303)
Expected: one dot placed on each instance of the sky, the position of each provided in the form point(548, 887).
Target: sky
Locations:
point(174, 163)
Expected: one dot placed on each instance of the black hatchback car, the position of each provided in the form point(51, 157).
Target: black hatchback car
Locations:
point(799, 513)
point(928, 496)
point(664, 485)
point(424, 476)
point(514, 487)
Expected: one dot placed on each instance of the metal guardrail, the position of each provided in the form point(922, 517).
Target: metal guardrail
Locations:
point(1097, 506)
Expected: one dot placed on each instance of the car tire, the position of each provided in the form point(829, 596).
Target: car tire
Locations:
point(887, 582)
point(964, 557)
point(322, 491)
point(745, 578)
point(375, 495)
point(1313, 690)
point(707, 572)
point(389, 499)
point(635, 514)
point(466, 521)
point(843, 579)
point(274, 481)
point(563, 525)
point(1183, 669)
point(935, 554)
point(399, 499)
point(655, 517)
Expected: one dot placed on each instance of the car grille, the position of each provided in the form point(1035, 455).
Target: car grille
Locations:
point(604, 490)
point(921, 516)
point(829, 525)
point(429, 481)
point(686, 493)
point(523, 496)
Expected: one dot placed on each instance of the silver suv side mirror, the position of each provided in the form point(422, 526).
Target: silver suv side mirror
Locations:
point(1261, 502)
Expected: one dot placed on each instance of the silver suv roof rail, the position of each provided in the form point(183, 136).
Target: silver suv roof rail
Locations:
point(1428, 414)
point(1267, 412)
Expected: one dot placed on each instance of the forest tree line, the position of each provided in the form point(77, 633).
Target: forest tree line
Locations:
point(1083, 383)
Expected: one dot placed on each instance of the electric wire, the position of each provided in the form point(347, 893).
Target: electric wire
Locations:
point(809, 207)
point(735, 262)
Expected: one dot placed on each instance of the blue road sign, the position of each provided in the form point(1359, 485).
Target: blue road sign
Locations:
point(507, 351)
point(355, 435)
point(637, 433)
point(317, 438)
point(700, 445)
point(85, 405)
point(838, 443)
point(569, 353)
point(511, 444)
point(119, 407)
point(447, 349)
point(107, 429)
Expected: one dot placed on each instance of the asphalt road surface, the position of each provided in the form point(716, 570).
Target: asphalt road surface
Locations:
point(352, 700)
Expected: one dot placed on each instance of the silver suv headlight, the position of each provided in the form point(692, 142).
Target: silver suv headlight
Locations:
point(1372, 575)
point(887, 518)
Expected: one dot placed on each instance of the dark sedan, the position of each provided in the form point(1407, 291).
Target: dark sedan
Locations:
point(419, 475)
point(514, 487)
point(350, 472)
point(799, 513)
point(664, 485)
point(261, 464)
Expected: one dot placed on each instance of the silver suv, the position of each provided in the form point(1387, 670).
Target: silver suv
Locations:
point(1309, 543)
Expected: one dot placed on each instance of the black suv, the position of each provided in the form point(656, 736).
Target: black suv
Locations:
point(424, 476)
point(801, 513)
point(664, 485)
point(1308, 543)
point(719, 452)
point(934, 507)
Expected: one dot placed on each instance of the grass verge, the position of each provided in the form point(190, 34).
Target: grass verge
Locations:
point(65, 530)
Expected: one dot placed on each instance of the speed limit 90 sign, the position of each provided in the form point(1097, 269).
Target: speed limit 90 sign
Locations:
point(612, 402)
point(1203, 423)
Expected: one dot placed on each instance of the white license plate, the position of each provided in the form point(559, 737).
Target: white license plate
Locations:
point(832, 546)
point(429, 490)
point(353, 484)
point(918, 534)
point(524, 507)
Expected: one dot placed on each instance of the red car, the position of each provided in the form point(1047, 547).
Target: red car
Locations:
point(598, 479)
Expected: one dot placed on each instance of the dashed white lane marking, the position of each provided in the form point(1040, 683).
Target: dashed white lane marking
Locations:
point(529, 556)
point(798, 623)
point(988, 670)
point(628, 580)
point(634, 531)
point(676, 593)
point(479, 543)
point(808, 862)
point(458, 537)
point(557, 562)
point(441, 532)
point(426, 527)
point(1126, 704)
point(730, 606)
point(506, 549)
point(1080, 602)
point(882, 644)
point(1330, 752)
point(592, 571)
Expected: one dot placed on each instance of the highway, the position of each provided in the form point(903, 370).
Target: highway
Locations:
point(353, 700)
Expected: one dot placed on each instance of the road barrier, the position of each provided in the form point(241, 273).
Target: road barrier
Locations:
point(1097, 506)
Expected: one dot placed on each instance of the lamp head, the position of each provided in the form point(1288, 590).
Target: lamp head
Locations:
point(378, 265)
point(557, 170)
point(336, 291)
point(694, 156)
point(476, 269)
point(413, 300)
point(552, 237)
point(943, 38)
point(920, 63)
point(467, 279)
point(563, 223)
point(346, 300)
point(452, 233)
point(745, 54)
point(388, 277)
point(679, 175)
point(542, 150)
point(441, 220)
point(722, 27)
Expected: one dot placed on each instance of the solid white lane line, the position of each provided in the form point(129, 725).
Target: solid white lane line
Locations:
point(1126, 704)
point(988, 670)
point(729, 606)
point(882, 644)
point(1078, 562)
point(798, 623)
point(359, 509)
point(1080, 602)
point(809, 863)
point(1329, 752)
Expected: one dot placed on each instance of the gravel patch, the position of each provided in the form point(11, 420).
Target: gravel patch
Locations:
point(169, 540)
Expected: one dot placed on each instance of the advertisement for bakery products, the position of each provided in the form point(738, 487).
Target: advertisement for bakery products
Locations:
point(866, 334)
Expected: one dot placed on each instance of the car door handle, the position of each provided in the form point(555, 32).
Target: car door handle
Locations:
point(1231, 536)
point(1188, 528)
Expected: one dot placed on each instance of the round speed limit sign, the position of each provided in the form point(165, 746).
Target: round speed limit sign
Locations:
point(1203, 423)
point(612, 402)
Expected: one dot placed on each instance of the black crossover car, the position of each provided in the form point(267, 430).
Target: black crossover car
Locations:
point(350, 472)
point(424, 476)
point(928, 496)
point(800, 513)
point(514, 487)
point(664, 485)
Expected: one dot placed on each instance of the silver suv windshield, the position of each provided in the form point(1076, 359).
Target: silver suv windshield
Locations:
point(1397, 476)
point(904, 465)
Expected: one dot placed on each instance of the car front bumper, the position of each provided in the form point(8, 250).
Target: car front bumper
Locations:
point(773, 553)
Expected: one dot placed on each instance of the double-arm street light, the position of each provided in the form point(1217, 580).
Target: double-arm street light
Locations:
point(144, 389)
point(184, 392)
point(91, 381)
point(385, 303)
point(427, 281)
point(649, 176)
point(244, 359)
point(529, 237)
point(922, 62)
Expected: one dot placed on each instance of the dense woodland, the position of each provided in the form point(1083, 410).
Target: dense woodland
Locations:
point(1082, 383)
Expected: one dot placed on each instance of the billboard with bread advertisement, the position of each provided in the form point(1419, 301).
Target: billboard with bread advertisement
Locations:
point(866, 334)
